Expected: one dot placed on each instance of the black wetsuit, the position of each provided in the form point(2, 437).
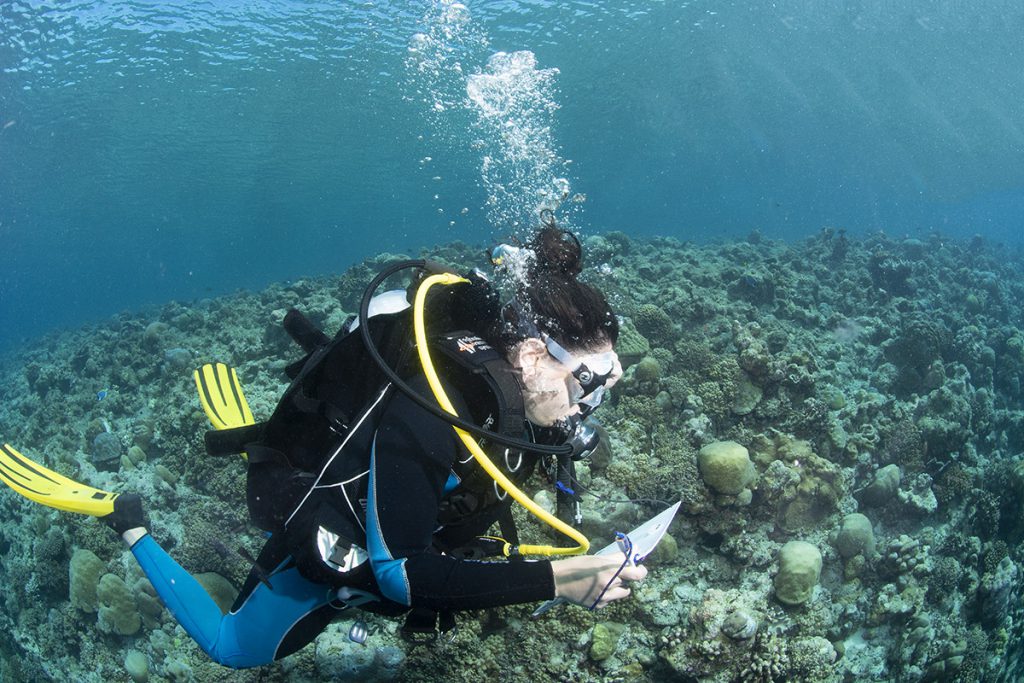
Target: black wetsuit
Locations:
point(413, 455)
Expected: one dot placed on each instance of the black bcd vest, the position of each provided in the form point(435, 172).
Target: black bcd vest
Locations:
point(308, 464)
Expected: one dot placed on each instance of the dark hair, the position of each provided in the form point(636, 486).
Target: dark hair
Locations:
point(576, 314)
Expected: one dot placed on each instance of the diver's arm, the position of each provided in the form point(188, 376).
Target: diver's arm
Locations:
point(411, 460)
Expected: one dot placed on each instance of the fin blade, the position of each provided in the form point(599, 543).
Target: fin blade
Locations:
point(235, 397)
point(46, 487)
point(206, 383)
point(220, 393)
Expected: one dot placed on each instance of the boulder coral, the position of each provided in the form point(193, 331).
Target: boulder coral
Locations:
point(117, 610)
point(855, 537)
point(726, 467)
point(85, 570)
point(799, 571)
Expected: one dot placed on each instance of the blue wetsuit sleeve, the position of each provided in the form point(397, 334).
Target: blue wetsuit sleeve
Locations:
point(410, 463)
point(252, 635)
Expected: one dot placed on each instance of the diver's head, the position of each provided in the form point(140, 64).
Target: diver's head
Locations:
point(559, 332)
point(560, 385)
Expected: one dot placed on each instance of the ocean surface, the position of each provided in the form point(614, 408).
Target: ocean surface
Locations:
point(155, 151)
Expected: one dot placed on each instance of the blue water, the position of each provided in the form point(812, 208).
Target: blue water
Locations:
point(172, 150)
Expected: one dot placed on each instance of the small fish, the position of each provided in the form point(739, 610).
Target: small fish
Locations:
point(102, 394)
point(8, 124)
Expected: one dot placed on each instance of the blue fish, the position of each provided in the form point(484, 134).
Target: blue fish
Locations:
point(102, 394)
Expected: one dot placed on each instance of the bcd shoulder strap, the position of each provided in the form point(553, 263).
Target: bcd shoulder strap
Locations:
point(476, 494)
point(481, 359)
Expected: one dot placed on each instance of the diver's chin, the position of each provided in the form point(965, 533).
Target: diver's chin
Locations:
point(539, 421)
point(548, 420)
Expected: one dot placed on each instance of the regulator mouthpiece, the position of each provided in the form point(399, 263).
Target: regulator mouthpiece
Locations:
point(583, 437)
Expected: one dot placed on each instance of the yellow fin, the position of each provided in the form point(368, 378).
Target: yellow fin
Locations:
point(221, 394)
point(46, 487)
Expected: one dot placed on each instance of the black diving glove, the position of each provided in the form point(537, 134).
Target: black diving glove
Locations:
point(127, 513)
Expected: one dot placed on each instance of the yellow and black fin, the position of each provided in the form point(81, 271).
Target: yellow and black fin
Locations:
point(46, 487)
point(221, 394)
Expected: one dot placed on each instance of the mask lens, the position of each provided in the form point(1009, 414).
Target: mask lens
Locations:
point(589, 373)
point(601, 363)
point(588, 401)
point(575, 390)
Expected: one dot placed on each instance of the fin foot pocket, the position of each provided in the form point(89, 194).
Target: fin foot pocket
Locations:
point(127, 514)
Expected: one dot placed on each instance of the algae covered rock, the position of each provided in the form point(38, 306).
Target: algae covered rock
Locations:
point(604, 640)
point(665, 552)
point(166, 475)
point(106, 451)
point(855, 536)
point(339, 659)
point(883, 487)
point(748, 395)
point(147, 602)
point(799, 571)
point(739, 625)
point(726, 467)
point(137, 666)
point(136, 455)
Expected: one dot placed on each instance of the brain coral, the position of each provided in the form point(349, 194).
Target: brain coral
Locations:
point(631, 345)
point(654, 323)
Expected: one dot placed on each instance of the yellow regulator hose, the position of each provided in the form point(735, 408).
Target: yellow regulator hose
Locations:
point(504, 482)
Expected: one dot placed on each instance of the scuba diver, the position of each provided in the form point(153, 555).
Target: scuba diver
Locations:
point(390, 456)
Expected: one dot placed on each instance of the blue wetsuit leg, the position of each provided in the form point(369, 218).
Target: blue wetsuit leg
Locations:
point(247, 637)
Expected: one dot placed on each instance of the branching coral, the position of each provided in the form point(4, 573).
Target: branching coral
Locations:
point(769, 661)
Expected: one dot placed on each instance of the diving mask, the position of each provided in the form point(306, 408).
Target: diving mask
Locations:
point(591, 374)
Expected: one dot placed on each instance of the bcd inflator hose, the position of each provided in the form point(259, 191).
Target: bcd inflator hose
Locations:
point(419, 328)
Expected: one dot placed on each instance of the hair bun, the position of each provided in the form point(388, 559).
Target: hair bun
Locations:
point(558, 252)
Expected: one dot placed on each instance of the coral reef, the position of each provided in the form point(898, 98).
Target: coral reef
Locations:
point(862, 524)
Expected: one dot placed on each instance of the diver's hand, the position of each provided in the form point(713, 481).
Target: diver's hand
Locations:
point(581, 579)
